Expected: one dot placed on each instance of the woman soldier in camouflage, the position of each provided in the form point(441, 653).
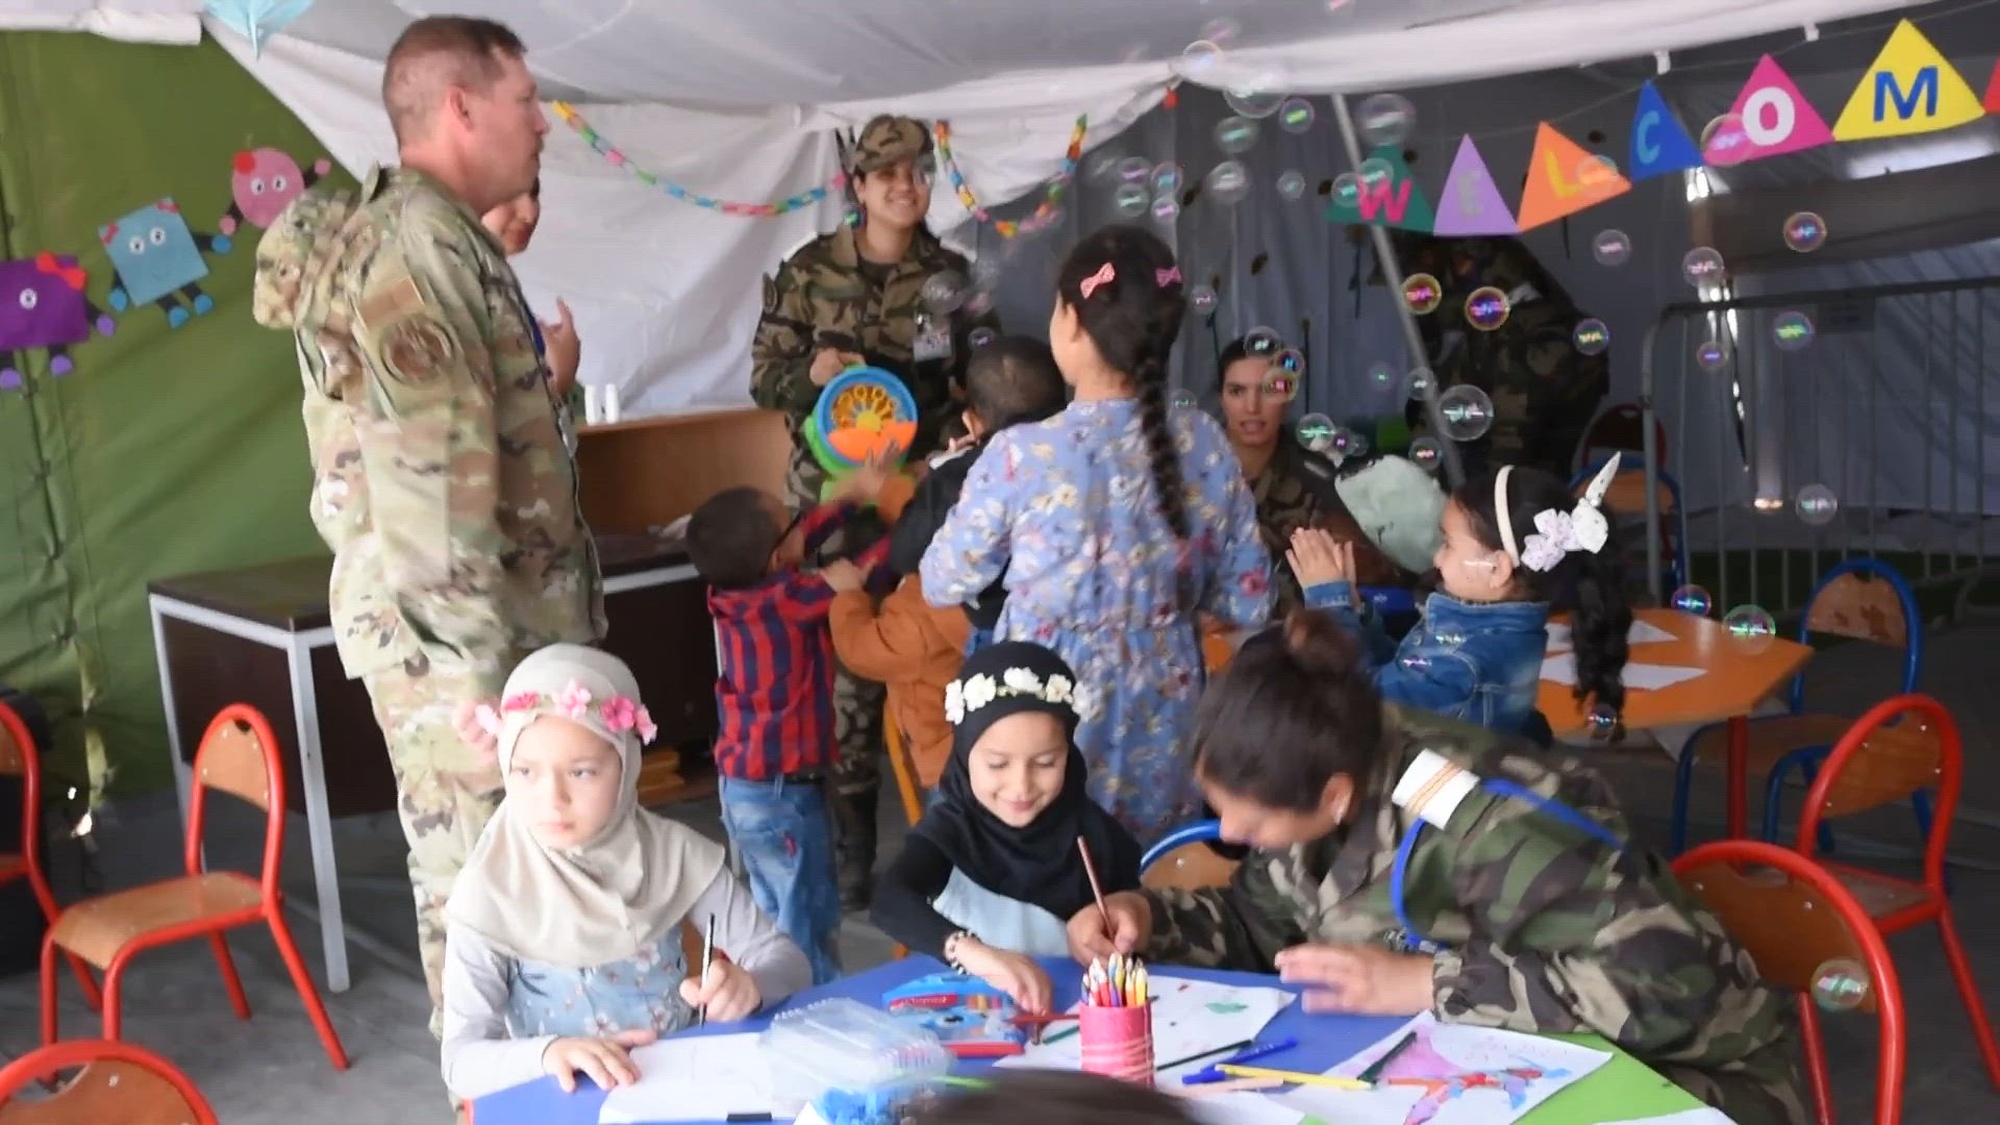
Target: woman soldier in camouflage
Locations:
point(859, 295)
point(1408, 863)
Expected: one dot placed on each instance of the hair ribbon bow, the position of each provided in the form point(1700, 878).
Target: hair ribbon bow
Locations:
point(1582, 528)
point(1166, 277)
point(1105, 275)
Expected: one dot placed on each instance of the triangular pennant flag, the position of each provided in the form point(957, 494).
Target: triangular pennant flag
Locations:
point(1992, 100)
point(1776, 118)
point(1910, 89)
point(1659, 144)
point(257, 20)
point(1394, 202)
point(1470, 203)
point(1564, 179)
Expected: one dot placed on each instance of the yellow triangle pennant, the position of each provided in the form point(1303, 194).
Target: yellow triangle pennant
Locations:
point(1910, 89)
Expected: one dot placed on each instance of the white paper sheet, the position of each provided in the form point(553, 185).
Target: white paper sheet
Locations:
point(699, 1078)
point(1190, 1017)
point(1465, 1075)
point(1242, 1107)
point(1702, 1116)
point(1641, 633)
point(1560, 668)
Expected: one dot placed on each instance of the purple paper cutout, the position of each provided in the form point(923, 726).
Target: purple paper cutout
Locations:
point(1471, 203)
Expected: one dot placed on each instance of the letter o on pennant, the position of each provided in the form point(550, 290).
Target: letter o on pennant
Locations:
point(1776, 103)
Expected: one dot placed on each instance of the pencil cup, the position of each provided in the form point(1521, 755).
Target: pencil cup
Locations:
point(1118, 1042)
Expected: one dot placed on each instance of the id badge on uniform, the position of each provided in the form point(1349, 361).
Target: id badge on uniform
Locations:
point(932, 344)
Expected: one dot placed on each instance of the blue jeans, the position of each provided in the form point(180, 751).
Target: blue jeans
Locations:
point(979, 639)
point(782, 832)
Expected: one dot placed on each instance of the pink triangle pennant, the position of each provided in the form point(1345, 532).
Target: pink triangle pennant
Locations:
point(1470, 203)
point(1775, 118)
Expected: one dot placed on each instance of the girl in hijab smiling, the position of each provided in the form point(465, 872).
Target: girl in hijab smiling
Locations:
point(988, 878)
point(563, 943)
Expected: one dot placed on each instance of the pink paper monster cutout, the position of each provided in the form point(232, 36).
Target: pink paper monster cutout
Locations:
point(263, 182)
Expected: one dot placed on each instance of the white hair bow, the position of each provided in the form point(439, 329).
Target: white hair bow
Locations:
point(1582, 528)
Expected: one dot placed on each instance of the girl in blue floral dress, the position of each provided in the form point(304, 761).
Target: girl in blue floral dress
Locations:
point(1116, 522)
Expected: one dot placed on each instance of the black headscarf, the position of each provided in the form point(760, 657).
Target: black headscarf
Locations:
point(1038, 864)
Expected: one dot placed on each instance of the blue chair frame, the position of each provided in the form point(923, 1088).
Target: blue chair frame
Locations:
point(1677, 563)
point(1807, 758)
point(1200, 830)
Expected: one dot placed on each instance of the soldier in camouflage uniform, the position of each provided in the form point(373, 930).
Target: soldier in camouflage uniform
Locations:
point(857, 296)
point(1520, 906)
point(441, 482)
point(1544, 391)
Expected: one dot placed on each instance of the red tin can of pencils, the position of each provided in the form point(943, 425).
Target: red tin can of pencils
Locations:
point(1117, 1042)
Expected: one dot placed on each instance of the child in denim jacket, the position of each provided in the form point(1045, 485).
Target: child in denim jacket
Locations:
point(1512, 541)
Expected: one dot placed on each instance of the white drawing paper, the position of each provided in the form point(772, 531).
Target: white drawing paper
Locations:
point(1451, 1074)
point(1703, 1116)
point(1190, 1018)
point(693, 1078)
point(1560, 668)
point(1641, 633)
point(1240, 1107)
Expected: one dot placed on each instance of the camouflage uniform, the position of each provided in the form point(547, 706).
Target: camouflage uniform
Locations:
point(441, 482)
point(825, 295)
point(1541, 929)
point(1296, 490)
point(1544, 391)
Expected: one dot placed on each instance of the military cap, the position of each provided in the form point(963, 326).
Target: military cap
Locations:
point(887, 141)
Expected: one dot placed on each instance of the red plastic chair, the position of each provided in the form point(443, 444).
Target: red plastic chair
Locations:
point(1900, 748)
point(1793, 917)
point(238, 755)
point(1621, 428)
point(119, 1083)
point(19, 757)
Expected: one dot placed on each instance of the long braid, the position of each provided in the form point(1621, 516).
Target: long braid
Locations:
point(1154, 424)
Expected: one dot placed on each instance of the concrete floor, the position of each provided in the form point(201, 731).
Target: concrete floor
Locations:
point(271, 1069)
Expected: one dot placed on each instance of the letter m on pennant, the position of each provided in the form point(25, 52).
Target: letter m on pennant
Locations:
point(1390, 200)
point(1888, 90)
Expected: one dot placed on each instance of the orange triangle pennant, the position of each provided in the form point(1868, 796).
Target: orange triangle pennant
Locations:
point(1563, 179)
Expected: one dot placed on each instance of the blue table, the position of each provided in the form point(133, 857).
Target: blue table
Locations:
point(1324, 1041)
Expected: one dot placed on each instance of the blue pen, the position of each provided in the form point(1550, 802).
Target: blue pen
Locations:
point(1211, 1073)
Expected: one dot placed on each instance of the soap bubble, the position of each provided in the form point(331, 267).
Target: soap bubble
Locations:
point(1611, 247)
point(1255, 97)
point(1422, 293)
point(1381, 375)
point(1134, 169)
point(1465, 412)
point(1165, 178)
point(943, 293)
point(1724, 141)
point(1199, 59)
point(1183, 400)
point(1692, 599)
point(1374, 173)
point(1263, 341)
point(1130, 199)
point(982, 336)
point(1791, 330)
point(1287, 371)
point(1752, 625)
point(1227, 182)
point(1202, 299)
point(1166, 209)
point(1591, 336)
point(1817, 505)
point(1347, 443)
point(1385, 119)
point(1596, 169)
point(1316, 433)
point(1103, 166)
point(1221, 31)
point(1702, 266)
point(1347, 190)
point(1296, 115)
point(1292, 185)
point(1422, 384)
point(1840, 985)
point(1805, 232)
point(1486, 308)
point(1235, 135)
point(1414, 661)
point(1602, 722)
point(1712, 355)
point(1427, 452)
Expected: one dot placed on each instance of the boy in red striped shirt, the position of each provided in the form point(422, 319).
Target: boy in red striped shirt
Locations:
point(774, 694)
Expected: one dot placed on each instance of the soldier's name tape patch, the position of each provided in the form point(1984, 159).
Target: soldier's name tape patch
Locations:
point(384, 304)
point(416, 349)
point(1433, 787)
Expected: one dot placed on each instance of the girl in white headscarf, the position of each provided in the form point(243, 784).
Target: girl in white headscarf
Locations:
point(563, 948)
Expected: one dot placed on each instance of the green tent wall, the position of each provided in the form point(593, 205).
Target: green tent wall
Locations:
point(168, 450)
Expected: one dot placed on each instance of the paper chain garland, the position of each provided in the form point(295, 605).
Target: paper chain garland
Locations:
point(617, 157)
point(1045, 213)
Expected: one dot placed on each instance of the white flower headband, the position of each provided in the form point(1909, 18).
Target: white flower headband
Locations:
point(963, 697)
point(1557, 533)
point(617, 713)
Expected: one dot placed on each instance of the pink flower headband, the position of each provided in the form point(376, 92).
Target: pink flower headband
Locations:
point(1105, 275)
point(618, 713)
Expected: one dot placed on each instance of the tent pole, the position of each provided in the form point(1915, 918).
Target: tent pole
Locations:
point(1392, 272)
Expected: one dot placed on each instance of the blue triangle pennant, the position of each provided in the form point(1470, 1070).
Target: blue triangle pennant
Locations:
point(257, 20)
point(1659, 144)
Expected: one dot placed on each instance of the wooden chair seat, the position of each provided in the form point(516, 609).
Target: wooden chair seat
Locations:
point(1771, 738)
point(118, 1083)
point(11, 864)
point(1880, 895)
point(1190, 867)
point(99, 929)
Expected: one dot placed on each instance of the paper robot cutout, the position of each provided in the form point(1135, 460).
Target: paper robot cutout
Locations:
point(263, 182)
point(42, 305)
point(159, 261)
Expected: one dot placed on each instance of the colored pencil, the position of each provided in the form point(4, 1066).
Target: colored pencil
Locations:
point(1375, 1069)
point(1096, 890)
point(707, 960)
point(1295, 1077)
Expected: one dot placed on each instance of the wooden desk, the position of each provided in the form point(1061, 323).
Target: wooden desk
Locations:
point(1737, 675)
point(261, 635)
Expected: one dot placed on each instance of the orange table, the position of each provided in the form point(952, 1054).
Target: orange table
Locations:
point(1737, 676)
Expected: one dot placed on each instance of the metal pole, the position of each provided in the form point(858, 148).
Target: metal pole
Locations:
point(1650, 453)
point(1392, 272)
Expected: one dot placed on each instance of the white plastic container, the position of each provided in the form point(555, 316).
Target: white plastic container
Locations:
point(845, 1045)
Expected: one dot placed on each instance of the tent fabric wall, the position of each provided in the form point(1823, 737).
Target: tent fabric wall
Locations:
point(167, 451)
